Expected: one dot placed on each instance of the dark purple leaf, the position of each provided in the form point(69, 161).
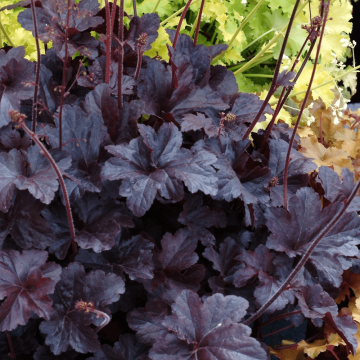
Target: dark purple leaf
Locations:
point(69, 326)
point(155, 164)
point(55, 214)
point(83, 142)
point(134, 256)
point(147, 322)
point(335, 190)
point(226, 260)
point(39, 178)
point(244, 110)
point(175, 268)
point(160, 99)
point(10, 138)
point(198, 217)
point(207, 330)
point(231, 159)
point(103, 220)
point(284, 78)
point(24, 287)
point(100, 102)
point(252, 263)
point(198, 122)
point(16, 77)
point(345, 327)
point(25, 223)
point(52, 20)
point(293, 230)
point(148, 24)
point(314, 302)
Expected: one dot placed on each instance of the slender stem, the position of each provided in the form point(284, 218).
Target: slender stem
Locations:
point(274, 85)
point(45, 152)
point(11, 346)
point(259, 61)
point(182, 17)
point(121, 54)
point(279, 317)
point(64, 73)
point(194, 25)
point(139, 60)
point(271, 42)
point(108, 42)
point(302, 67)
point(331, 349)
point(134, 7)
point(258, 38)
point(175, 14)
point(305, 257)
point(198, 22)
point(259, 75)
point(113, 14)
point(156, 6)
point(279, 330)
point(243, 23)
point(283, 98)
point(38, 64)
point(323, 84)
point(5, 34)
point(287, 161)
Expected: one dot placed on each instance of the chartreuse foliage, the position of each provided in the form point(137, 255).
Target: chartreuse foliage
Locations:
point(139, 221)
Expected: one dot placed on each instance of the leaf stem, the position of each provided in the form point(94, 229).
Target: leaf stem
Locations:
point(323, 84)
point(198, 22)
point(108, 42)
point(64, 73)
point(279, 330)
point(271, 42)
point(325, 10)
point(182, 17)
point(44, 151)
point(121, 54)
point(175, 14)
point(134, 7)
point(156, 6)
point(11, 346)
point(243, 23)
point(279, 317)
point(38, 64)
point(6, 34)
point(286, 91)
point(274, 84)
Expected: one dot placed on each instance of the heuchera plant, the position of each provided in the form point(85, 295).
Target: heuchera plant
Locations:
point(137, 219)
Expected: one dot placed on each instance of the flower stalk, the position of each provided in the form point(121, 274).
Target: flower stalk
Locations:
point(20, 119)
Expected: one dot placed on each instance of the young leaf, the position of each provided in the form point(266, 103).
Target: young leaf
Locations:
point(198, 217)
point(103, 221)
point(16, 77)
point(175, 268)
point(161, 170)
point(147, 322)
point(68, 325)
point(134, 256)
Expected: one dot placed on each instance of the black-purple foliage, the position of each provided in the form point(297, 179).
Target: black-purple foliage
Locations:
point(180, 229)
